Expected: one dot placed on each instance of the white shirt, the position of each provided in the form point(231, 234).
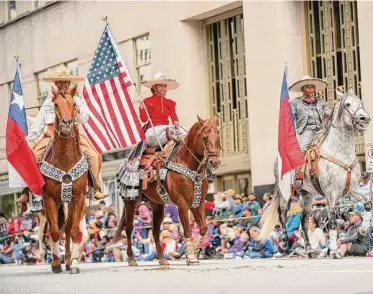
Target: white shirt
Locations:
point(316, 238)
point(46, 116)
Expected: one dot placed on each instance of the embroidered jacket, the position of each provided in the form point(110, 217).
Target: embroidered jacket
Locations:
point(159, 109)
point(46, 117)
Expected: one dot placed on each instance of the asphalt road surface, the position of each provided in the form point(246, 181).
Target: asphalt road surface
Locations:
point(352, 275)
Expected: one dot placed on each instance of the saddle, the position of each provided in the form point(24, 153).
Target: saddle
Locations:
point(152, 160)
point(312, 156)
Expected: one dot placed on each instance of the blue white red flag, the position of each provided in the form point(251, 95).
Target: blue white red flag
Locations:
point(290, 155)
point(113, 121)
point(21, 159)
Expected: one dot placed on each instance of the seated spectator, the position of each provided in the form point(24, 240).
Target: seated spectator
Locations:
point(267, 198)
point(355, 243)
point(227, 236)
point(294, 220)
point(172, 212)
point(341, 231)
point(6, 253)
point(258, 248)
point(224, 205)
point(249, 220)
point(238, 206)
point(236, 250)
point(254, 206)
point(3, 228)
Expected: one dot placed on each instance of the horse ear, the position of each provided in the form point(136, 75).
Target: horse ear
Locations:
point(54, 91)
point(216, 119)
point(73, 91)
point(200, 120)
point(351, 92)
point(339, 94)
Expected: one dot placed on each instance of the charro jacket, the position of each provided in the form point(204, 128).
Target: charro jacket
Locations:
point(301, 112)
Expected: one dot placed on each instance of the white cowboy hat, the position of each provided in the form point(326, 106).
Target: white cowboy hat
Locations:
point(62, 74)
point(160, 78)
point(307, 80)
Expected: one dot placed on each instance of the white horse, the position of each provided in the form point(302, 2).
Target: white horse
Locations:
point(338, 169)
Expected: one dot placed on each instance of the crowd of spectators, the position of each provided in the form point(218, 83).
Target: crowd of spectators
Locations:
point(233, 231)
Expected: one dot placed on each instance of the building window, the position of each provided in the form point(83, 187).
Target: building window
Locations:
point(333, 45)
point(143, 63)
point(227, 72)
point(11, 9)
point(333, 49)
point(44, 88)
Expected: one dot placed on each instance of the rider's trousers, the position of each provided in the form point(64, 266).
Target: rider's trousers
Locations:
point(93, 157)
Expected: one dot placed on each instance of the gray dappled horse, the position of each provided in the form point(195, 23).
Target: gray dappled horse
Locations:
point(337, 158)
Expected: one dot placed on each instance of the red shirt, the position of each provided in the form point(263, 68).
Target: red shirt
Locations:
point(159, 110)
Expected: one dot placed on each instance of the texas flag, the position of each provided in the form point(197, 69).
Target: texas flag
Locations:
point(22, 162)
point(290, 155)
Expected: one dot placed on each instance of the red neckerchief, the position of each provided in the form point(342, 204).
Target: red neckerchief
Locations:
point(310, 100)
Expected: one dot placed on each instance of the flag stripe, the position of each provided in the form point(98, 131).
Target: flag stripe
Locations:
point(114, 123)
point(97, 90)
point(132, 109)
point(100, 144)
point(124, 118)
point(95, 102)
point(98, 121)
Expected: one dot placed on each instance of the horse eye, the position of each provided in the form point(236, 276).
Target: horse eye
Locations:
point(348, 104)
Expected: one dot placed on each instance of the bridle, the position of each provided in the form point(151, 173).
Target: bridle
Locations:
point(206, 154)
point(352, 114)
point(58, 128)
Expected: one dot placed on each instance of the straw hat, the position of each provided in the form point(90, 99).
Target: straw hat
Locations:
point(62, 74)
point(160, 78)
point(307, 80)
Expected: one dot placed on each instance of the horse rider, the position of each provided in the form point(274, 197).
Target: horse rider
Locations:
point(159, 110)
point(309, 113)
point(46, 118)
point(156, 112)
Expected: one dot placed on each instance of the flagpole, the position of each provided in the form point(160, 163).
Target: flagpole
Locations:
point(138, 94)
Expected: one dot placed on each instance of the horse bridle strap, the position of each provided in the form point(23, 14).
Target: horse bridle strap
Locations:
point(66, 178)
point(347, 167)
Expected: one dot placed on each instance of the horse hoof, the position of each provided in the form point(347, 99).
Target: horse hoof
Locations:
point(67, 267)
point(312, 255)
point(132, 263)
point(74, 270)
point(192, 262)
point(163, 262)
point(57, 269)
point(336, 255)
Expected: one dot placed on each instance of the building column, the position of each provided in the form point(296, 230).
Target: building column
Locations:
point(365, 17)
point(273, 36)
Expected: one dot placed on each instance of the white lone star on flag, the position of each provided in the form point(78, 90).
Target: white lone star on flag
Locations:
point(18, 99)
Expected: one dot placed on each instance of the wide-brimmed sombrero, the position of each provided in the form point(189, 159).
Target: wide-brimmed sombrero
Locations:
point(307, 80)
point(160, 78)
point(62, 74)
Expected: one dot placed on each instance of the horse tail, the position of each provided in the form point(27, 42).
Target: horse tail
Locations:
point(270, 216)
point(122, 223)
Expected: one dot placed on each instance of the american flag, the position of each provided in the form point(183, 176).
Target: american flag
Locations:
point(113, 122)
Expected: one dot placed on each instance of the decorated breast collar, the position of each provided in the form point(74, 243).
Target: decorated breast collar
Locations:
point(66, 178)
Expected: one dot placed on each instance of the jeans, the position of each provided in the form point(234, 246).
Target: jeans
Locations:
point(5, 259)
point(370, 230)
point(255, 254)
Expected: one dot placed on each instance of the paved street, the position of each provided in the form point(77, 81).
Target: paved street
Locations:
point(220, 276)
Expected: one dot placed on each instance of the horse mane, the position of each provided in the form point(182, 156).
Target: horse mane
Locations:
point(183, 150)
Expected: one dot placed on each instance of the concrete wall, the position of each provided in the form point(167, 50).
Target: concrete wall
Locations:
point(275, 40)
point(365, 15)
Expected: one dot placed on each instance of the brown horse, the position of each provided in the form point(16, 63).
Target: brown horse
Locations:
point(198, 153)
point(65, 170)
